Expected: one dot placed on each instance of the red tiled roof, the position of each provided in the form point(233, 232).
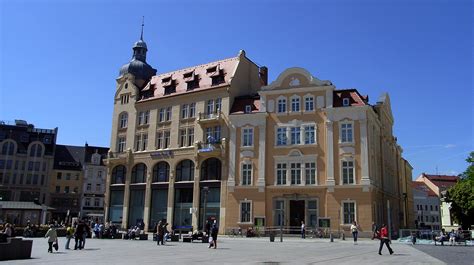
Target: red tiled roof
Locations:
point(180, 78)
point(421, 186)
point(239, 104)
point(442, 181)
point(355, 99)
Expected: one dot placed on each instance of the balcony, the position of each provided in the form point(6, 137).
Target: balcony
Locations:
point(210, 149)
point(209, 117)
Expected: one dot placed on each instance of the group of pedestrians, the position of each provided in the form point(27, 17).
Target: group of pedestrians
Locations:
point(79, 232)
point(381, 234)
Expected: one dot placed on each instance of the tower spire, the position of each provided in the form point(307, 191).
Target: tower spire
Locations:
point(143, 24)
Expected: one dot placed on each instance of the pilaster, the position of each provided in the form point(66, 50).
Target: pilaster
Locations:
point(330, 182)
point(196, 197)
point(146, 214)
point(261, 157)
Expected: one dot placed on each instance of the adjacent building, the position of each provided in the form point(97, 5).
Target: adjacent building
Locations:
point(217, 141)
point(427, 210)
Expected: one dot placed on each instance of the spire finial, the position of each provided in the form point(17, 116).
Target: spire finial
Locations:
point(143, 24)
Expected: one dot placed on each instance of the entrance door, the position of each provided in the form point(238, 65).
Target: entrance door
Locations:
point(296, 214)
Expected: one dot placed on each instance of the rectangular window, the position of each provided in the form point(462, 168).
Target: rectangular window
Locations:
point(218, 105)
point(312, 213)
point(17, 162)
point(144, 141)
point(88, 202)
point(98, 188)
point(347, 172)
point(59, 176)
point(309, 134)
point(68, 176)
point(210, 106)
point(245, 212)
point(192, 110)
point(281, 105)
point(281, 136)
point(246, 174)
point(143, 117)
point(182, 137)
point(167, 139)
point(295, 169)
point(184, 111)
point(217, 134)
point(247, 137)
point(96, 202)
point(99, 174)
point(309, 104)
point(281, 174)
point(121, 144)
point(58, 189)
point(295, 135)
point(168, 113)
point(280, 213)
point(349, 212)
point(89, 187)
point(190, 136)
point(161, 116)
point(138, 142)
point(310, 173)
point(346, 133)
point(295, 104)
point(159, 140)
point(66, 189)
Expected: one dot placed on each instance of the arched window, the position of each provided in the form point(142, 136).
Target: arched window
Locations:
point(8, 148)
point(118, 174)
point(161, 172)
point(185, 171)
point(123, 120)
point(211, 169)
point(36, 150)
point(139, 173)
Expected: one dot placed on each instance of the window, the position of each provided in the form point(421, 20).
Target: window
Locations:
point(96, 202)
point(346, 132)
point(88, 202)
point(121, 144)
point(167, 140)
point(345, 102)
point(124, 99)
point(192, 110)
point(190, 136)
point(139, 173)
point(58, 189)
point(309, 103)
point(141, 141)
point(218, 105)
point(248, 108)
point(98, 188)
point(210, 106)
point(143, 117)
point(436, 207)
point(170, 89)
point(66, 189)
point(123, 120)
point(310, 173)
point(168, 113)
point(246, 174)
point(281, 136)
point(279, 213)
point(159, 140)
point(89, 187)
point(193, 84)
point(8, 148)
point(118, 174)
point(163, 139)
point(218, 79)
point(213, 135)
point(312, 213)
point(36, 150)
point(68, 176)
point(295, 104)
point(426, 207)
point(161, 116)
point(295, 135)
point(348, 212)
point(75, 190)
point(185, 171)
point(245, 211)
point(309, 134)
point(295, 169)
point(59, 176)
point(347, 172)
point(99, 174)
point(281, 174)
point(184, 111)
point(211, 169)
point(247, 137)
point(431, 207)
point(182, 137)
point(161, 172)
point(281, 105)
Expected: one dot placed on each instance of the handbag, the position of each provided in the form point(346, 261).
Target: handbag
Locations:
point(55, 245)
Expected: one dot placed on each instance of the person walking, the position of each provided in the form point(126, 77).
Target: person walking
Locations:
point(303, 230)
point(374, 231)
point(79, 234)
point(159, 233)
point(52, 236)
point(69, 235)
point(86, 233)
point(384, 240)
point(214, 231)
point(355, 231)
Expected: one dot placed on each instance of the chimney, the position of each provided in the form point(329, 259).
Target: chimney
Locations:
point(263, 72)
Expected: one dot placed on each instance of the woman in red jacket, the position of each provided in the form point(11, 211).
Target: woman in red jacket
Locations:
point(384, 239)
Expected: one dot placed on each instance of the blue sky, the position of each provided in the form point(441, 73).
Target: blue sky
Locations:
point(59, 59)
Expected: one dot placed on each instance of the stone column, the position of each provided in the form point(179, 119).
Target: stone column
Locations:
point(148, 191)
point(232, 150)
point(107, 193)
point(170, 211)
point(196, 197)
point(261, 158)
point(126, 199)
point(364, 154)
point(330, 155)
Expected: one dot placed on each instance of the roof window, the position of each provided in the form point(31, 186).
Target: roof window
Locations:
point(248, 108)
point(345, 102)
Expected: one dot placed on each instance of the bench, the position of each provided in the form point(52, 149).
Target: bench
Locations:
point(15, 248)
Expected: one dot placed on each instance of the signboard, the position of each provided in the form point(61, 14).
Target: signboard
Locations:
point(162, 154)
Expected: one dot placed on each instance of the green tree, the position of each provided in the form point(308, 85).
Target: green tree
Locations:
point(461, 196)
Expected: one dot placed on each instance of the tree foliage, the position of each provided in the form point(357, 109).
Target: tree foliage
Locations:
point(461, 196)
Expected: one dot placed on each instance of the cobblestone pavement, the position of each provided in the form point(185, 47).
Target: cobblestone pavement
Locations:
point(229, 251)
point(460, 255)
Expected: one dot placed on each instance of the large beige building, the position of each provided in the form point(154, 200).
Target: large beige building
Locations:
point(216, 141)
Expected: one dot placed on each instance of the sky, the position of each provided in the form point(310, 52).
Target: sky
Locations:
point(59, 59)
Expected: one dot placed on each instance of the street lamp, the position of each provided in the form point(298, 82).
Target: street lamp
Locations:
point(205, 191)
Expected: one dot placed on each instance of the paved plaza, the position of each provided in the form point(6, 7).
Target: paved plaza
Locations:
point(238, 251)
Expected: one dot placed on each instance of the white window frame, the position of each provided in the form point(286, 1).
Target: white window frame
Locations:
point(247, 137)
point(123, 120)
point(169, 111)
point(342, 211)
point(250, 212)
point(87, 202)
point(348, 159)
point(159, 139)
point(190, 136)
point(166, 139)
point(344, 132)
point(305, 131)
point(242, 169)
point(295, 101)
point(192, 110)
point(306, 101)
point(346, 102)
point(184, 111)
point(306, 176)
point(88, 187)
point(282, 98)
point(248, 109)
point(296, 171)
point(297, 139)
point(161, 115)
point(121, 144)
point(284, 171)
point(285, 129)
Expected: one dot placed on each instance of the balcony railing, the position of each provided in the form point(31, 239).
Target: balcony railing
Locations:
point(203, 116)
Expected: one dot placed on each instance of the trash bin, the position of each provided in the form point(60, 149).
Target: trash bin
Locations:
point(272, 236)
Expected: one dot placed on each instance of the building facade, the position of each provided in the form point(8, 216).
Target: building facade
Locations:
point(427, 207)
point(92, 200)
point(26, 161)
point(216, 141)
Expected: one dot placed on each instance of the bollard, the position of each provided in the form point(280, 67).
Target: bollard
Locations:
point(331, 239)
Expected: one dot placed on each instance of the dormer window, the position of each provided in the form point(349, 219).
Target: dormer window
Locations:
point(218, 79)
point(212, 70)
point(248, 108)
point(170, 89)
point(191, 79)
point(169, 85)
point(166, 81)
point(345, 102)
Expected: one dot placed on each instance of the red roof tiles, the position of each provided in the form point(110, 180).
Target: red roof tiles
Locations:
point(239, 104)
point(421, 186)
point(355, 99)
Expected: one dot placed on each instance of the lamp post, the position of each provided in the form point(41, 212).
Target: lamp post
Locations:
point(205, 191)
